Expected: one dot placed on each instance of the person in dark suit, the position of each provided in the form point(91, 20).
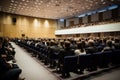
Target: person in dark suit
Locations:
point(53, 54)
point(8, 71)
point(91, 50)
point(109, 46)
point(117, 43)
point(67, 51)
point(91, 47)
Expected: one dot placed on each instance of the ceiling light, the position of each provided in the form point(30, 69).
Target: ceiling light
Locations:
point(112, 0)
point(25, 4)
point(15, 4)
point(41, 1)
point(12, 0)
point(27, 1)
point(11, 4)
point(104, 2)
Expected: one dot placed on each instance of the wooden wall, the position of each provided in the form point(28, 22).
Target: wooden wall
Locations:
point(31, 27)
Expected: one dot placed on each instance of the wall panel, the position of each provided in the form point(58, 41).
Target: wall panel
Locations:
point(31, 27)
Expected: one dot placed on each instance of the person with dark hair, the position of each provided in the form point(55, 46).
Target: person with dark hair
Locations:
point(117, 44)
point(67, 51)
point(53, 53)
point(80, 49)
point(91, 47)
point(109, 46)
point(8, 70)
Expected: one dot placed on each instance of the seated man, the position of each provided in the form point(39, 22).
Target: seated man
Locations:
point(109, 46)
point(67, 51)
point(8, 71)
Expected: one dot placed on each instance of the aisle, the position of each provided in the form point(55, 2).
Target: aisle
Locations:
point(111, 75)
point(31, 69)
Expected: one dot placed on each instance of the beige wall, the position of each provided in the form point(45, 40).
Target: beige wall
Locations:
point(31, 27)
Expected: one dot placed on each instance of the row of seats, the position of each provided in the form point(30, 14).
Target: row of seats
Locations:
point(91, 62)
point(76, 64)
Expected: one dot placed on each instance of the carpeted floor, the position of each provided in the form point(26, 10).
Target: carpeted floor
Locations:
point(31, 69)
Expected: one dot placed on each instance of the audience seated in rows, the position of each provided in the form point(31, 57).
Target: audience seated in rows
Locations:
point(55, 51)
point(9, 70)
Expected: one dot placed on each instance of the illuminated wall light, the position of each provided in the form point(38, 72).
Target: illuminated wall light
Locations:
point(8, 20)
point(36, 23)
point(25, 21)
point(46, 23)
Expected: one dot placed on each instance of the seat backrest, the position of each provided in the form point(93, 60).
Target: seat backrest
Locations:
point(84, 60)
point(70, 63)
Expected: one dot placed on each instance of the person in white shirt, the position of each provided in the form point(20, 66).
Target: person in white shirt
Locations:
point(80, 50)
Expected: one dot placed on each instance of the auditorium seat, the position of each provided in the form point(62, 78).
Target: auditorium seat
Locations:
point(70, 65)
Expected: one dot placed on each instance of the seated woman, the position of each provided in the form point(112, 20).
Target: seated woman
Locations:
point(80, 50)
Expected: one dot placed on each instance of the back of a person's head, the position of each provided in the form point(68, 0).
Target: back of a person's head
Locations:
point(79, 45)
point(1, 39)
point(61, 42)
point(51, 42)
point(109, 43)
point(1, 43)
point(83, 43)
point(67, 44)
point(56, 43)
point(117, 40)
point(91, 42)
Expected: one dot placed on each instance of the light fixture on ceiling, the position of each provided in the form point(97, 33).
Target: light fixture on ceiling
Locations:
point(12, 0)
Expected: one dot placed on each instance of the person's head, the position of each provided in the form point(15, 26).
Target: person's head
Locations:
point(67, 44)
point(51, 42)
point(91, 43)
point(0, 44)
point(117, 40)
point(55, 43)
point(109, 43)
point(80, 46)
point(83, 43)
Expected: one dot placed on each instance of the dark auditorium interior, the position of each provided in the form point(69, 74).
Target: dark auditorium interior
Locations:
point(59, 39)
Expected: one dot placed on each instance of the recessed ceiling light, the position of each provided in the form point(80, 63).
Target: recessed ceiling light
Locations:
point(104, 2)
point(15, 4)
point(11, 4)
point(112, 0)
point(37, 0)
point(20, 3)
point(25, 4)
point(12, 0)
point(27, 1)
point(41, 1)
